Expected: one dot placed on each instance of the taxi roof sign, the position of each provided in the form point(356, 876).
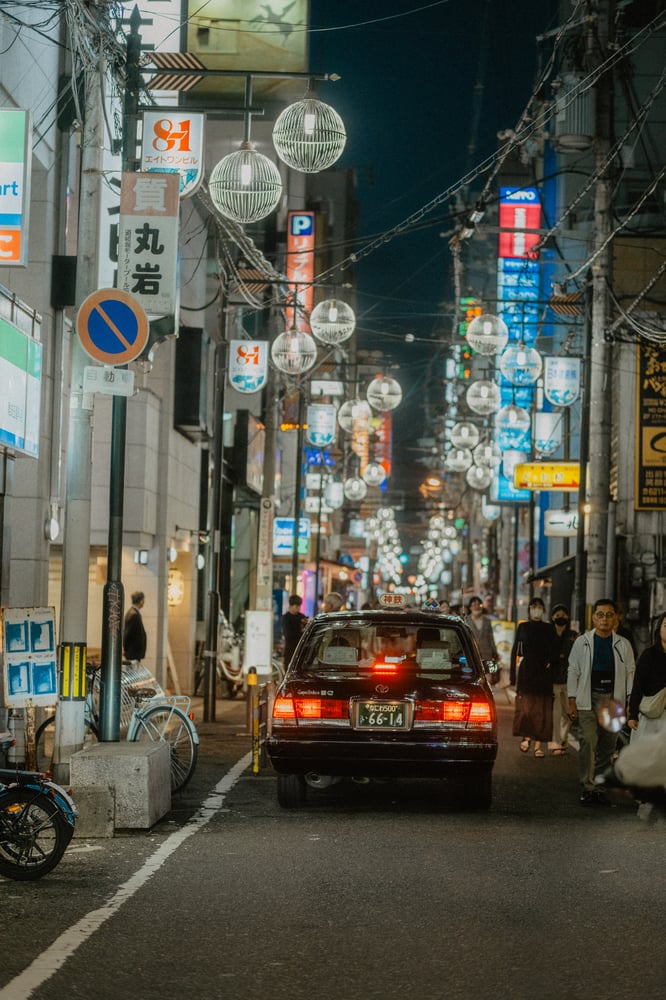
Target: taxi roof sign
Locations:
point(392, 600)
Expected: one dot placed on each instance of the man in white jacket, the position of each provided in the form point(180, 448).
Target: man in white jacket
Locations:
point(601, 666)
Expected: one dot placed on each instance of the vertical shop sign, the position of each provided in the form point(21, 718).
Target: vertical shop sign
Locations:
point(148, 240)
point(650, 469)
point(248, 365)
point(300, 263)
point(20, 389)
point(15, 159)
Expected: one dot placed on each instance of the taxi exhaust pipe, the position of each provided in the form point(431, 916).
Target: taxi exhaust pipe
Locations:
point(315, 780)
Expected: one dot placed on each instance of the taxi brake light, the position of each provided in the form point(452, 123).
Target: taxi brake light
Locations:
point(380, 667)
point(455, 711)
point(322, 708)
point(283, 708)
point(480, 712)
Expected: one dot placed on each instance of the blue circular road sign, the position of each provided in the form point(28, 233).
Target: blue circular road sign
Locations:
point(112, 326)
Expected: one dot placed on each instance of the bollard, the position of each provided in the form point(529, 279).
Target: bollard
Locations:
point(254, 698)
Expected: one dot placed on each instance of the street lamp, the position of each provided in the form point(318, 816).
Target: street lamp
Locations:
point(309, 135)
point(384, 393)
point(352, 411)
point(483, 397)
point(332, 321)
point(464, 435)
point(245, 186)
point(487, 334)
point(294, 352)
point(520, 364)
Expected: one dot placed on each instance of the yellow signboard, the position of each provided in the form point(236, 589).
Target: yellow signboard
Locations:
point(547, 476)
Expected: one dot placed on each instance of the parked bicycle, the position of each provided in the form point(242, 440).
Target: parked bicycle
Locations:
point(36, 821)
point(147, 713)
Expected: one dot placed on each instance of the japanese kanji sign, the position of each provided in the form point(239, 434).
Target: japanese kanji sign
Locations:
point(174, 143)
point(148, 239)
point(650, 485)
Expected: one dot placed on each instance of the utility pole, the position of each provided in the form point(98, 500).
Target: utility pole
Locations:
point(70, 723)
point(599, 349)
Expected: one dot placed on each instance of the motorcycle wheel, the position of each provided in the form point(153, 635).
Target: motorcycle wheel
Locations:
point(33, 834)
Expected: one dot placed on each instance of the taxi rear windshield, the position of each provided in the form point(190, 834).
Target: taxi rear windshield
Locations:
point(427, 651)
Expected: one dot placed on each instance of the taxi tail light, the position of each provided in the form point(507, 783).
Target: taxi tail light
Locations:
point(284, 711)
point(473, 713)
point(480, 713)
point(321, 708)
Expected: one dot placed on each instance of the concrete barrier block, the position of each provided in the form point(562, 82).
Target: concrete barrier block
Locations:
point(96, 807)
point(139, 775)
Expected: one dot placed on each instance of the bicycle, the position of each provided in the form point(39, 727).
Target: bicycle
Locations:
point(147, 713)
point(36, 822)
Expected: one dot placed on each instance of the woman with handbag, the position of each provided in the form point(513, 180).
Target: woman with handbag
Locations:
point(647, 702)
point(535, 647)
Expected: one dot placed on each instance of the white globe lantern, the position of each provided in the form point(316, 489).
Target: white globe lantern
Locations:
point(352, 412)
point(294, 352)
point(334, 494)
point(458, 459)
point(245, 186)
point(520, 365)
point(332, 321)
point(487, 334)
point(374, 474)
point(510, 459)
point(483, 397)
point(384, 393)
point(479, 477)
point(488, 454)
point(464, 435)
point(355, 488)
point(309, 135)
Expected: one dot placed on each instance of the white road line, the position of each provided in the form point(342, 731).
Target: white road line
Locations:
point(48, 963)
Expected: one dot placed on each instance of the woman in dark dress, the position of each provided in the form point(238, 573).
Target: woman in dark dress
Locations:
point(534, 649)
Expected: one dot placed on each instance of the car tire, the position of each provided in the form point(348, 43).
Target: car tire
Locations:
point(291, 790)
point(476, 792)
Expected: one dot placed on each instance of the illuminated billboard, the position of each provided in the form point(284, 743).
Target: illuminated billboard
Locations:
point(15, 158)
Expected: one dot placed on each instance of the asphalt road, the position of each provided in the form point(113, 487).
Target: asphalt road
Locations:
point(370, 891)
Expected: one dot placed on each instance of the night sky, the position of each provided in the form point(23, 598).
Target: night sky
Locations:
point(407, 97)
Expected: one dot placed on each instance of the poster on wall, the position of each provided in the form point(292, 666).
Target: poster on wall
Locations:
point(29, 663)
point(650, 468)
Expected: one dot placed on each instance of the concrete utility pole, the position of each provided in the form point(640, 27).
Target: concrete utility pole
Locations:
point(599, 395)
point(70, 724)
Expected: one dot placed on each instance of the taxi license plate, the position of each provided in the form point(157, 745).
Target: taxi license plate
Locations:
point(382, 715)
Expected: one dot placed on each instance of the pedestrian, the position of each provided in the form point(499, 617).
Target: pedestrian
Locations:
point(482, 630)
point(533, 650)
point(647, 703)
point(566, 637)
point(293, 623)
point(601, 666)
point(134, 634)
point(331, 602)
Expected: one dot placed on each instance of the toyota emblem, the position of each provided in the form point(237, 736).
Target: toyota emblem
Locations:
point(381, 689)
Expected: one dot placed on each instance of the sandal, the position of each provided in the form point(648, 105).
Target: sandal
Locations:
point(559, 753)
point(539, 753)
point(525, 745)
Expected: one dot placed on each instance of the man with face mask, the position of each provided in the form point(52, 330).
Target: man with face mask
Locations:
point(566, 637)
point(534, 650)
point(482, 631)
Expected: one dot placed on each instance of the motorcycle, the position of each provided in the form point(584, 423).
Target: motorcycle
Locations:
point(229, 662)
point(37, 820)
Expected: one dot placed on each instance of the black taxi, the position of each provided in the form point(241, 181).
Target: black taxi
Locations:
point(387, 693)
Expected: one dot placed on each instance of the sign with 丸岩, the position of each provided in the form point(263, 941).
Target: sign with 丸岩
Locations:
point(650, 468)
point(29, 665)
point(148, 239)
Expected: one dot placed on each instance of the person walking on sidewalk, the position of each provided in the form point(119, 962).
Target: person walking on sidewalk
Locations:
point(566, 637)
point(293, 623)
point(134, 634)
point(482, 630)
point(534, 649)
point(601, 666)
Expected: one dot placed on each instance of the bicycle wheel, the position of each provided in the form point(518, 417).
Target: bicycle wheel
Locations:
point(45, 742)
point(33, 834)
point(164, 722)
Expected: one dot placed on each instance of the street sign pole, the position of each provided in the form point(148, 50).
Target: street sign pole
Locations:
point(114, 597)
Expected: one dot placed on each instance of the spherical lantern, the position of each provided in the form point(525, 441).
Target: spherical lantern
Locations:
point(458, 459)
point(355, 488)
point(384, 393)
point(294, 352)
point(332, 321)
point(464, 435)
point(479, 477)
point(520, 365)
point(488, 454)
point(352, 412)
point(309, 135)
point(512, 427)
point(374, 474)
point(487, 334)
point(245, 186)
point(334, 494)
point(483, 397)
